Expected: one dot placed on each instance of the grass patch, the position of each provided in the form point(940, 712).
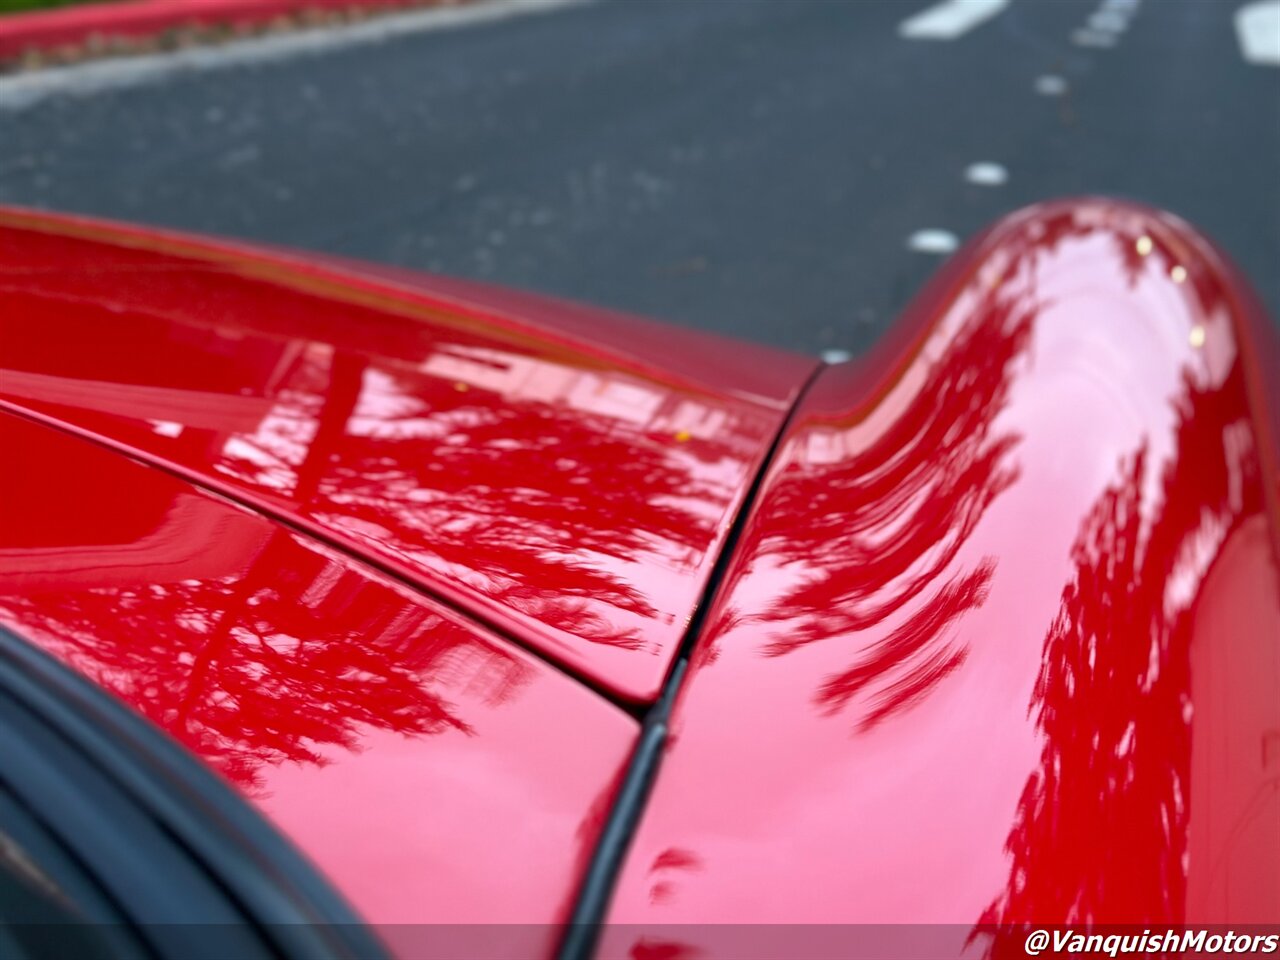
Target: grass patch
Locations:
point(19, 6)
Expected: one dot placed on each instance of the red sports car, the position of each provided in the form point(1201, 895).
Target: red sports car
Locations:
point(346, 612)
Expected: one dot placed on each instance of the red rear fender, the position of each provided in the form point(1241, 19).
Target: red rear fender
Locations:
point(1002, 642)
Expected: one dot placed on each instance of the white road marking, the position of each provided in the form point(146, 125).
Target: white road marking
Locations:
point(1093, 38)
point(1258, 30)
point(932, 241)
point(21, 90)
point(836, 356)
point(1107, 21)
point(986, 174)
point(950, 19)
point(1051, 85)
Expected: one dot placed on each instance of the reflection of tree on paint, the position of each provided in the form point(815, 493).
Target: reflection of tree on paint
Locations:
point(418, 480)
point(673, 860)
point(886, 522)
point(535, 475)
point(663, 875)
point(886, 515)
point(1101, 828)
point(206, 660)
point(920, 642)
point(650, 948)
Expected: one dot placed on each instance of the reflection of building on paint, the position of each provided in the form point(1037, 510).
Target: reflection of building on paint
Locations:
point(270, 438)
point(827, 445)
point(191, 537)
point(606, 394)
point(160, 406)
point(824, 447)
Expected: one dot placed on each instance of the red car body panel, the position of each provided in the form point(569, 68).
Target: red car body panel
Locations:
point(998, 641)
point(436, 773)
point(1001, 641)
point(484, 446)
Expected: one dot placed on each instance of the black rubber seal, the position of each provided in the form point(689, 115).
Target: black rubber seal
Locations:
point(583, 931)
point(276, 890)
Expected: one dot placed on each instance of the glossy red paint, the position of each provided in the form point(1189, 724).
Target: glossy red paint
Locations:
point(436, 773)
point(568, 474)
point(1001, 643)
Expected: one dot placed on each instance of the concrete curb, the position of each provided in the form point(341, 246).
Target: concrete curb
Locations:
point(80, 26)
point(23, 89)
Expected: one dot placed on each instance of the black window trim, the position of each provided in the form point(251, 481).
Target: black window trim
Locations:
point(280, 894)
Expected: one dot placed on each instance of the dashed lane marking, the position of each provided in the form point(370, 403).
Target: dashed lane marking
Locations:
point(986, 174)
point(1051, 85)
point(1258, 30)
point(950, 19)
point(932, 241)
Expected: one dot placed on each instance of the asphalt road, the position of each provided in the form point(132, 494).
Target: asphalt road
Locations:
point(754, 167)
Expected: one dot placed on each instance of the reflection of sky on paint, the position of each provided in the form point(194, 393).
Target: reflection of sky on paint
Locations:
point(530, 379)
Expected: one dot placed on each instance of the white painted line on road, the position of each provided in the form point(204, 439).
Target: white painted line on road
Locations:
point(1106, 21)
point(836, 356)
point(1051, 85)
point(986, 174)
point(1093, 38)
point(21, 90)
point(932, 241)
point(950, 19)
point(1258, 30)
